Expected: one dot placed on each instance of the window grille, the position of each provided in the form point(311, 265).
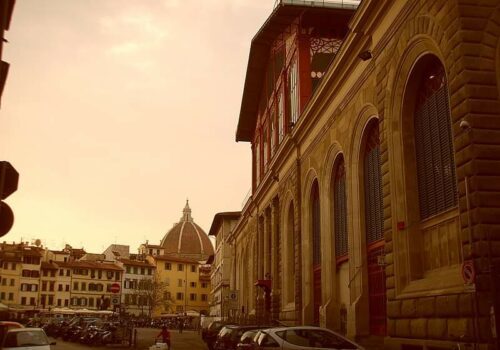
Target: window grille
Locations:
point(340, 210)
point(316, 226)
point(437, 188)
point(373, 187)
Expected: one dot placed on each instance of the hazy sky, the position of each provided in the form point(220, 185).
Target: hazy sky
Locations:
point(116, 111)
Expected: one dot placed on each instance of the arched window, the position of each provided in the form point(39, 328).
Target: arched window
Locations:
point(437, 186)
point(289, 278)
point(430, 180)
point(316, 225)
point(340, 210)
point(373, 186)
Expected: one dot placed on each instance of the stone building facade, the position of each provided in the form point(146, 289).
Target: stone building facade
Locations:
point(375, 198)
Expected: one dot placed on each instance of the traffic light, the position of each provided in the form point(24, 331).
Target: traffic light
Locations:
point(9, 178)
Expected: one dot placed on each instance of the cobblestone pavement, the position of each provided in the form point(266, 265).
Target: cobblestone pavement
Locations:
point(187, 340)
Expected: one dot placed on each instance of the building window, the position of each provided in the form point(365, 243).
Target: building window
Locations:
point(91, 302)
point(51, 300)
point(4, 282)
point(293, 91)
point(192, 297)
point(52, 286)
point(44, 286)
point(179, 283)
point(316, 225)
point(23, 300)
point(12, 282)
point(128, 269)
point(180, 296)
point(59, 302)
point(52, 273)
point(437, 185)
point(61, 272)
point(75, 285)
point(193, 268)
point(204, 297)
point(179, 308)
point(180, 267)
point(60, 287)
point(84, 286)
point(374, 220)
point(67, 288)
point(11, 296)
point(192, 284)
point(168, 266)
point(257, 161)
point(281, 116)
point(32, 301)
point(2, 295)
point(204, 284)
point(66, 302)
point(430, 168)
point(340, 210)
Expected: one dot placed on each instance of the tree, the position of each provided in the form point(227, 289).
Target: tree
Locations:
point(151, 293)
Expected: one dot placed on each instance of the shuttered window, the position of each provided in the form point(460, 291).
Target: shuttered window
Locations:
point(340, 210)
point(437, 188)
point(373, 186)
point(316, 225)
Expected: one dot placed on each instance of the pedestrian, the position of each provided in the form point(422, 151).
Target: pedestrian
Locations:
point(181, 325)
point(165, 335)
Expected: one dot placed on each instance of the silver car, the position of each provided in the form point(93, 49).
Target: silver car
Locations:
point(302, 337)
point(26, 339)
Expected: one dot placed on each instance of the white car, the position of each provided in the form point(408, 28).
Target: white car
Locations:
point(26, 339)
point(302, 338)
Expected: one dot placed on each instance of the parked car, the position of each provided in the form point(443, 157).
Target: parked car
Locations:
point(209, 334)
point(230, 335)
point(302, 338)
point(7, 325)
point(247, 340)
point(26, 339)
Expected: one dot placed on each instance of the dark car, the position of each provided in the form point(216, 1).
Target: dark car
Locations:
point(209, 334)
point(229, 336)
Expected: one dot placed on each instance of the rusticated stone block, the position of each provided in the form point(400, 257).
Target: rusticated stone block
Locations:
point(389, 270)
point(460, 329)
point(389, 282)
point(447, 305)
point(408, 308)
point(436, 328)
point(394, 309)
point(426, 307)
point(391, 294)
point(403, 328)
point(465, 304)
point(391, 327)
point(418, 328)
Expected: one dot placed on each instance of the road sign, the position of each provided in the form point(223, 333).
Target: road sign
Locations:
point(468, 272)
point(115, 300)
point(232, 298)
point(115, 288)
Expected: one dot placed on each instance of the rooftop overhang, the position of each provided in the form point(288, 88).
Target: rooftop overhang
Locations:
point(218, 219)
point(282, 16)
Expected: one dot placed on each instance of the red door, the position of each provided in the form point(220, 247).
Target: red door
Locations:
point(316, 292)
point(376, 289)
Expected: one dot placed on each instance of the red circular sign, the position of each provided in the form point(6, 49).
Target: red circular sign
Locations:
point(468, 272)
point(115, 288)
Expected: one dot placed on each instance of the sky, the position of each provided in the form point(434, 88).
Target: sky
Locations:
point(115, 112)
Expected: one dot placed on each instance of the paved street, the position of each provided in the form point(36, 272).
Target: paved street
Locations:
point(188, 340)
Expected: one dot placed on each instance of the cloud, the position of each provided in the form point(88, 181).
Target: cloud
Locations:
point(131, 35)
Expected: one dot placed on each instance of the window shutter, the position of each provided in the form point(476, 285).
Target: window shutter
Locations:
point(340, 210)
point(437, 189)
point(374, 220)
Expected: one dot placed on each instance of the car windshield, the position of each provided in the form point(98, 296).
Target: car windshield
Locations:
point(25, 338)
point(316, 339)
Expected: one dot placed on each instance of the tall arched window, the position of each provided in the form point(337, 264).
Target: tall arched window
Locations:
point(431, 187)
point(373, 186)
point(289, 278)
point(373, 205)
point(437, 185)
point(316, 251)
point(340, 210)
point(316, 225)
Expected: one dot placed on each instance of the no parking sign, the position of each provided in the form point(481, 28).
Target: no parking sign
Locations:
point(468, 272)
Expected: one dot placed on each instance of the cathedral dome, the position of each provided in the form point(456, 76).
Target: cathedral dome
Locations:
point(187, 239)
